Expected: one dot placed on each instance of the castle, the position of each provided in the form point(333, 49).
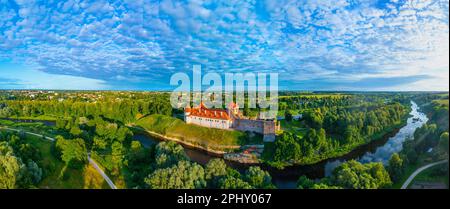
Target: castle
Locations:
point(230, 119)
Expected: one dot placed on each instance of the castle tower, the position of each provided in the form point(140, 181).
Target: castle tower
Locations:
point(187, 113)
point(233, 109)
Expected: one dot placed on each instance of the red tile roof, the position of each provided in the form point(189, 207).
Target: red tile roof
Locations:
point(204, 112)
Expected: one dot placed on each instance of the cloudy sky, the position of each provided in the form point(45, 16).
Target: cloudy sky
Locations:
point(137, 44)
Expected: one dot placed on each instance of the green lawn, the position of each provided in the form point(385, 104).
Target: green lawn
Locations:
point(293, 126)
point(205, 137)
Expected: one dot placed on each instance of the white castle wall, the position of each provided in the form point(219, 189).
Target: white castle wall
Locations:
point(207, 122)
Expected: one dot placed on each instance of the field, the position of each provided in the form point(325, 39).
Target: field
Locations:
point(206, 137)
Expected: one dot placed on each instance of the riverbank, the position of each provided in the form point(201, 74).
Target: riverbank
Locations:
point(248, 159)
point(240, 155)
point(202, 147)
point(376, 140)
point(247, 154)
point(203, 137)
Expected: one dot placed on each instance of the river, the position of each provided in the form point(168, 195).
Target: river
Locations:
point(375, 151)
point(394, 144)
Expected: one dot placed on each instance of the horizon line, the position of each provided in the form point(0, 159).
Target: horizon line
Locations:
point(162, 90)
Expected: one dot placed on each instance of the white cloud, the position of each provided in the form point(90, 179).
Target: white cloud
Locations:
point(347, 40)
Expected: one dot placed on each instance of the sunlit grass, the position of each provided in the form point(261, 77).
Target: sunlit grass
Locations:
point(443, 102)
point(211, 137)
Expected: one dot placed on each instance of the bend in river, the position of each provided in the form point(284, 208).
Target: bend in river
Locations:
point(375, 151)
point(393, 145)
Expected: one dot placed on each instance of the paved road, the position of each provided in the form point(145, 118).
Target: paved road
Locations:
point(107, 179)
point(91, 161)
point(30, 133)
point(413, 175)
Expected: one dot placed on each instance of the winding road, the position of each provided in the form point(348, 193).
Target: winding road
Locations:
point(413, 175)
point(91, 161)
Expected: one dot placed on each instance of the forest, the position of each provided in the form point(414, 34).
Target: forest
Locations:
point(331, 126)
point(162, 166)
point(430, 142)
point(123, 108)
point(100, 128)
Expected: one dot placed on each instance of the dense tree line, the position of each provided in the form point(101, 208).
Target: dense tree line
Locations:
point(302, 101)
point(306, 102)
point(351, 175)
point(172, 169)
point(120, 109)
point(72, 152)
point(107, 140)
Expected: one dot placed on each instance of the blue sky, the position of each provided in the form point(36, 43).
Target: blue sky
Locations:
point(313, 45)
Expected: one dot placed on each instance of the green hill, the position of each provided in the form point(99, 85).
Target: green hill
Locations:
point(205, 137)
